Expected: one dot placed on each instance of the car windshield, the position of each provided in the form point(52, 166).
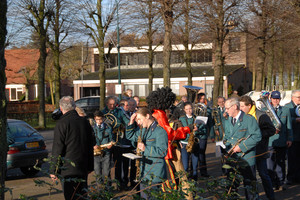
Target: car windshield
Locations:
point(20, 130)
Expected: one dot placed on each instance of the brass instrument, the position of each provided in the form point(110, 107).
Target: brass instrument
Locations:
point(137, 162)
point(99, 150)
point(191, 142)
point(192, 92)
point(111, 120)
point(200, 109)
point(270, 110)
point(297, 110)
point(217, 119)
point(230, 151)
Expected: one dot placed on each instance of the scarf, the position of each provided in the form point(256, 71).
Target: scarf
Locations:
point(253, 112)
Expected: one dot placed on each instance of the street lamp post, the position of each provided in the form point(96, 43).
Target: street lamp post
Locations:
point(204, 73)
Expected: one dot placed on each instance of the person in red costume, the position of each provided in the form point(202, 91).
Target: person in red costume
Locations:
point(158, 101)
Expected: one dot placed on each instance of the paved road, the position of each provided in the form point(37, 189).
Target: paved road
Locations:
point(21, 184)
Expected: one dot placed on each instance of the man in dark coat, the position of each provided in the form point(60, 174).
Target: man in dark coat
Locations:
point(267, 130)
point(73, 142)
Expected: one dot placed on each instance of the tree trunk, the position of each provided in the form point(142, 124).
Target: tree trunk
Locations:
point(3, 119)
point(186, 36)
point(167, 55)
point(100, 46)
point(41, 78)
point(51, 91)
point(289, 78)
point(270, 67)
point(281, 66)
point(150, 63)
point(253, 76)
point(217, 69)
point(260, 66)
point(56, 52)
point(168, 23)
point(57, 69)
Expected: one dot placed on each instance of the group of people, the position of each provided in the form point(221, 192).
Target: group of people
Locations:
point(161, 134)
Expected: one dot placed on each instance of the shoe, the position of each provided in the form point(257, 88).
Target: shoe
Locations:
point(283, 187)
point(195, 178)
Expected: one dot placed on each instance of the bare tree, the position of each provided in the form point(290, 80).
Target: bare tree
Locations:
point(39, 18)
point(218, 17)
point(97, 24)
point(3, 117)
point(147, 18)
point(60, 25)
point(168, 11)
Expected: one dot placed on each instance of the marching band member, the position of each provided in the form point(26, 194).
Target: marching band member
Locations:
point(293, 152)
point(103, 135)
point(267, 129)
point(279, 142)
point(238, 126)
point(154, 146)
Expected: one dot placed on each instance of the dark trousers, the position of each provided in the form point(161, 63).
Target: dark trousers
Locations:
point(126, 167)
point(294, 162)
point(201, 155)
point(185, 156)
point(117, 158)
point(276, 165)
point(249, 178)
point(73, 190)
point(262, 169)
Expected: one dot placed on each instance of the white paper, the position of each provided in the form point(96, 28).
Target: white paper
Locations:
point(201, 120)
point(131, 156)
point(221, 144)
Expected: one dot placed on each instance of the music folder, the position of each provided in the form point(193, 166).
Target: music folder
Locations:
point(201, 120)
point(131, 156)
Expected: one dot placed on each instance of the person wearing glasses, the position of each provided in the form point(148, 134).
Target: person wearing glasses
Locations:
point(293, 175)
point(242, 134)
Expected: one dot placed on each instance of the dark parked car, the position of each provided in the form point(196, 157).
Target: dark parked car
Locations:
point(89, 104)
point(26, 147)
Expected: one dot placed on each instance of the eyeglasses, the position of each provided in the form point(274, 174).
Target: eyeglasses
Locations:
point(228, 107)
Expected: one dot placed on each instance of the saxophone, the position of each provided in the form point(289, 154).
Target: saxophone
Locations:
point(99, 151)
point(191, 142)
point(137, 162)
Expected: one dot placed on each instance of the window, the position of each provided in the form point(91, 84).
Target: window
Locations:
point(234, 44)
point(15, 94)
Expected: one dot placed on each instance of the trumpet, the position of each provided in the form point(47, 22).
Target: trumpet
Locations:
point(99, 150)
point(230, 151)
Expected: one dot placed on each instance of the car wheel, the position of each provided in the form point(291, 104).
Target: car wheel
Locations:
point(29, 171)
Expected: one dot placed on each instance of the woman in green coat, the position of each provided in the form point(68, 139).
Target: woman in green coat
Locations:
point(153, 145)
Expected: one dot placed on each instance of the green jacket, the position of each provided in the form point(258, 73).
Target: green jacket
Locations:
point(103, 134)
point(285, 134)
point(156, 142)
point(295, 126)
point(201, 133)
point(245, 127)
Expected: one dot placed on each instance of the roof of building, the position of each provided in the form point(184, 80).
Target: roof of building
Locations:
point(18, 61)
point(177, 72)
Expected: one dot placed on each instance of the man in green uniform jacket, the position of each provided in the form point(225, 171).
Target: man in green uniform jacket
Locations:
point(240, 125)
point(293, 152)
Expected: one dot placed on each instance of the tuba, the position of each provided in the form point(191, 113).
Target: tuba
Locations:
point(192, 92)
point(270, 110)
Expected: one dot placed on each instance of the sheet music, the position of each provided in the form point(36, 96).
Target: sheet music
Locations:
point(201, 120)
point(131, 156)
